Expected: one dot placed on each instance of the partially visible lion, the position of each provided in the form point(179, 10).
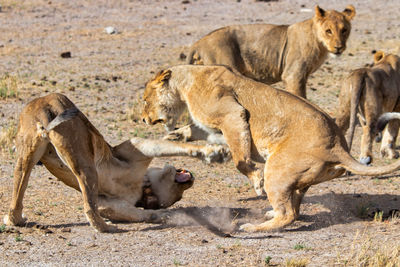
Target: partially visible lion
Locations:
point(298, 142)
point(114, 181)
point(370, 92)
point(271, 53)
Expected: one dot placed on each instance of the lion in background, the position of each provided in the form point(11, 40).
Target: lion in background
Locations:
point(369, 92)
point(299, 143)
point(114, 181)
point(271, 53)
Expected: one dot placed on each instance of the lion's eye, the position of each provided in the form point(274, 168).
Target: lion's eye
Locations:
point(328, 31)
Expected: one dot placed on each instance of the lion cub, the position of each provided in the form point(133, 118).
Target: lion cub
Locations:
point(370, 92)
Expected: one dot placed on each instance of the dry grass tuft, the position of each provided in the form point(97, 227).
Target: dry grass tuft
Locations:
point(364, 252)
point(8, 87)
point(7, 137)
point(302, 262)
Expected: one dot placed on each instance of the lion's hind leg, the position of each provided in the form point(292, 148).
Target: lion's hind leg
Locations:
point(389, 140)
point(281, 186)
point(121, 210)
point(75, 151)
point(30, 149)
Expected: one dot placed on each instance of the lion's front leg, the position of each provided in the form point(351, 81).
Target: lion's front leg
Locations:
point(123, 211)
point(163, 148)
point(295, 81)
point(238, 137)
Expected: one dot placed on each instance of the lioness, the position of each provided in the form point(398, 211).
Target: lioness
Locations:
point(271, 53)
point(113, 180)
point(300, 144)
point(371, 91)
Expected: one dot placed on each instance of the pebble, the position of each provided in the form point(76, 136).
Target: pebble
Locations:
point(110, 30)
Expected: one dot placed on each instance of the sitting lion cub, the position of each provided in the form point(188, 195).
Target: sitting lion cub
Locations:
point(271, 53)
point(114, 181)
point(370, 92)
point(300, 144)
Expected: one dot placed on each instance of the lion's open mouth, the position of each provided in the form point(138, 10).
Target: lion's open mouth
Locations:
point(183, 176)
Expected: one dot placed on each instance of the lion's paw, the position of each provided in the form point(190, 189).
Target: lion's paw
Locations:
point(389, 153)
point(14, 221)
point(248, 227)
point(106, 228)
point(216, 153)
point(182, 134)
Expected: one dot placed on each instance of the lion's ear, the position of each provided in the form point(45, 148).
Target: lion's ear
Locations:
point(349, 12)
point(163, 76)
point(378, 56)
point(319, 12)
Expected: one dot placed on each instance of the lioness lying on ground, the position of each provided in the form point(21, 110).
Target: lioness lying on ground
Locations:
point(113, 180)
point(271, 53)
point(371, 91)
point(300, 144)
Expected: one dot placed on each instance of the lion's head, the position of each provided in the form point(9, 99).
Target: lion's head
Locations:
point(333, 27)
point(161, 103)
point(381, 58)
point(164, 187)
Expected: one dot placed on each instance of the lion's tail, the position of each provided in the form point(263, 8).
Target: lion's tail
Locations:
point(357, 85)
point(385, 118)
point(64, 116)
point(352, 165)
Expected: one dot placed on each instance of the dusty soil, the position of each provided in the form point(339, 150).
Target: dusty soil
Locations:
point(104, 77)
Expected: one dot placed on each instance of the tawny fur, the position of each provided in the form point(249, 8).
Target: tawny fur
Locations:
point(371, 91)
point(52, 130)
point(271, 53)
point(299, 143)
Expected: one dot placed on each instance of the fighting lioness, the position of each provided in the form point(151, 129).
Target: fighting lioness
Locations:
point(300, 144)
point(271, 53)
point(371, 91)
point(113, 180)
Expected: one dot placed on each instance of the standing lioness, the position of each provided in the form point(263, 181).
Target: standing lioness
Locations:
point(300, 143)
point(271, 53)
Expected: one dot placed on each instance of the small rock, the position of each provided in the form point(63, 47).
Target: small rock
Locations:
point(185, 2)
point(110, 30)
point(66, 54)
point(351, 54)
point(182, 56)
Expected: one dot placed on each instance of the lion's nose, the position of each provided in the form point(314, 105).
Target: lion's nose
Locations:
point(144, 120)
point(338, 49)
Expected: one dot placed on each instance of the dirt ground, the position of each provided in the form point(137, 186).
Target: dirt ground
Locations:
point(104, 77)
